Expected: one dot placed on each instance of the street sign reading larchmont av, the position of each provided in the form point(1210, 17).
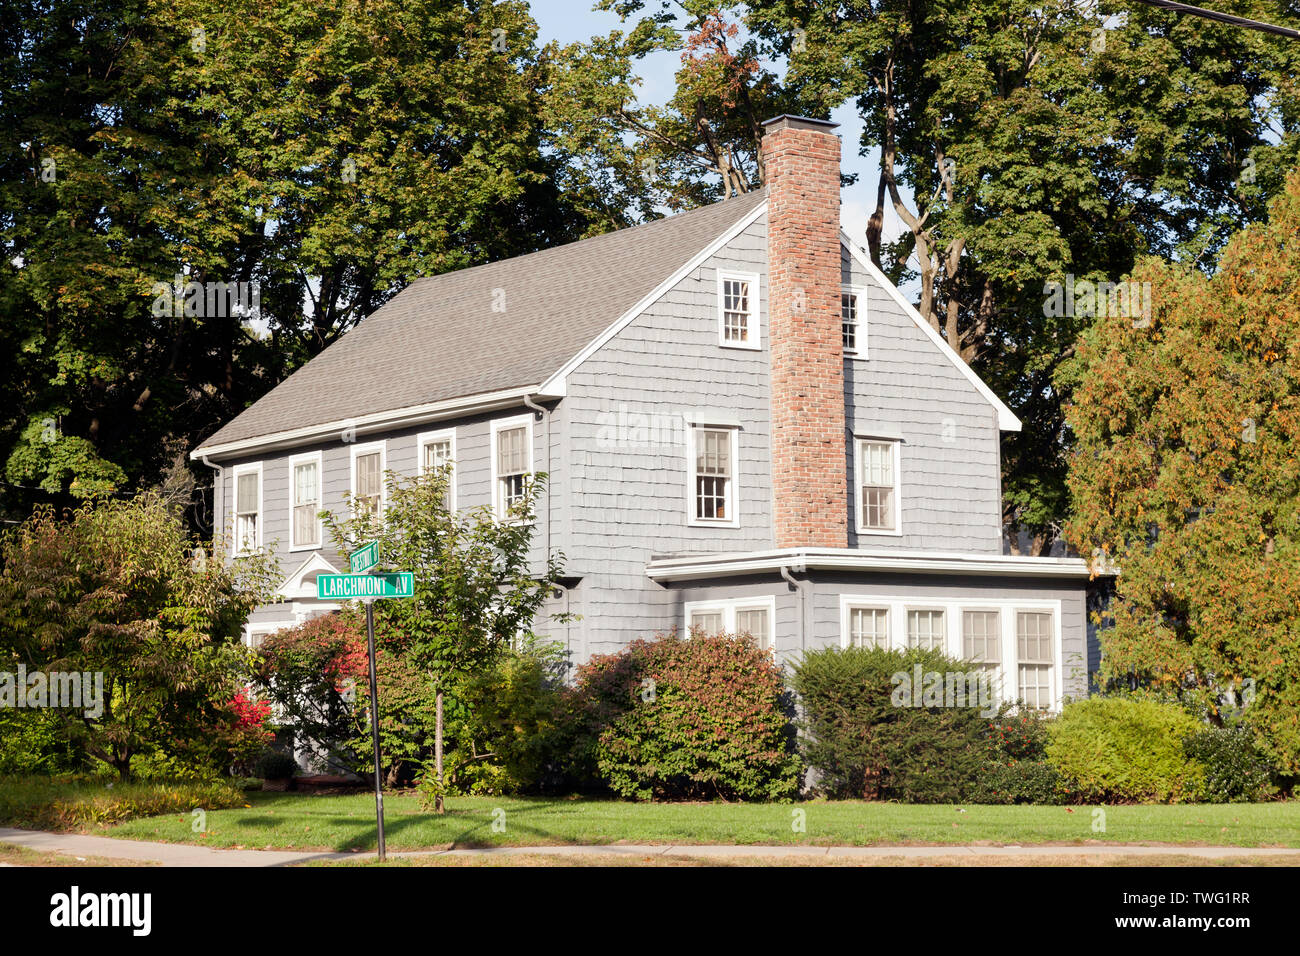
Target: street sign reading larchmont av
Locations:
point(335, 587)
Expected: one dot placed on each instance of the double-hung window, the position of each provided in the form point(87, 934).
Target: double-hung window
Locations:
point(981, 637)
point(739, 616)
point(512, 463)
point(248, 507)
point(304, 501)
point(853, 325)
point(712, 455)
point(438, 450)
point(368, 479)
point(738, 311)
point(877, 493)
point(1034, 637)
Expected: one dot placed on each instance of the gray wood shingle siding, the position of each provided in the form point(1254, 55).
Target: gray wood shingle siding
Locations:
point(951, 468)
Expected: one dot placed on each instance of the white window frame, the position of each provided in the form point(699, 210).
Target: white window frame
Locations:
point(755, 342)
point(294, 461)
point(254, 467)
point(859, 350)
point(1008, 684)
point(859, 523)
point(505, 424)
point(733, 487)
point(428, 438)
point(369, 449)
point(728, 608)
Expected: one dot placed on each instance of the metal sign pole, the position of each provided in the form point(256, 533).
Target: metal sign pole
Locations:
point(374, 725)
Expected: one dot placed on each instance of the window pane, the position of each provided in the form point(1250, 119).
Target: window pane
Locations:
point(735, 310)
point(869, 627)
point(436, 454)
point(925, 629)
point(512, 451)
point(876, 463)
point(712, 473)
point(710, 622)
point(305, 526)
point(754, 622)
point(849, 320)
point(246, 531)
point(246, 494)
point(981, 636)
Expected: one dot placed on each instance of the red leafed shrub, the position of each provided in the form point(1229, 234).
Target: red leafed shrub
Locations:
point(704, 718)
point(250, 715)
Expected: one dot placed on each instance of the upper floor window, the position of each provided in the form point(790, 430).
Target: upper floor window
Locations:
point(853, 326)
point(304, 501)
point(438, 449)
point(368, 479)
point(713, 454)
point(248, 507)
point(512, 462)
point(738, 311)
point(877, 495)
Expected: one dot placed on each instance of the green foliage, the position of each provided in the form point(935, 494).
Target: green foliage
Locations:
point(698, 719)
point(1126, 749)
point(1236, 770)
point(117, 588)
point(34, 742)
point(504, 740)
point(1016, 769)
point(863, 745)
point(44, 803)
point(1185, 477)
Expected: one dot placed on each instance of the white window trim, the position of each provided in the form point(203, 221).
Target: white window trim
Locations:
point(729, 607)
point(428, 438)
point(733, 496)
point(245, 469)
point(1008, 666)
point(369, 449)
point(294, 461)
point(860, 349)
point(497, 426)
point(755, 342)
point(897, 442)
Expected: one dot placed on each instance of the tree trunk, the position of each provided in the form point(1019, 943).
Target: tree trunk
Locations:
point(437, 750)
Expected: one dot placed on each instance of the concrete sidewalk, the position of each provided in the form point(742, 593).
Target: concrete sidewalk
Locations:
point(180, 854)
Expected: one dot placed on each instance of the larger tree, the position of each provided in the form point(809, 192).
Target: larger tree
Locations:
point(1185, 477)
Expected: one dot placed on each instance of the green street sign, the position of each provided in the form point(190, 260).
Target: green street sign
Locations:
point(343, 587)
point(365, 557)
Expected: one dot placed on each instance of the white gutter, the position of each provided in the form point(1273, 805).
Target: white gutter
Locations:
point(368, 424)
point(692, 567)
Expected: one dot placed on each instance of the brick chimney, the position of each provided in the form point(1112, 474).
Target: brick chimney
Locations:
point(809, 472)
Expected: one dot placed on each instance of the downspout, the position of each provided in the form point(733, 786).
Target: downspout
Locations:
point(546, 417)
point(803, 604)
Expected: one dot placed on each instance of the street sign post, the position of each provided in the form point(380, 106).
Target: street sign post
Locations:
point(365, 557)
point(367, 588)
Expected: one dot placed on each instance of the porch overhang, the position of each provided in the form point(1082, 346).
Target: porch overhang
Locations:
point(691, 567)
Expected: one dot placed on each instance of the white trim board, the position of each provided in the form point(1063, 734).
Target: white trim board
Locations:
point(1007, 420)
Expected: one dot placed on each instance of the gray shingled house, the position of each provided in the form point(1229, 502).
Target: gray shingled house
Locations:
point(745, 424)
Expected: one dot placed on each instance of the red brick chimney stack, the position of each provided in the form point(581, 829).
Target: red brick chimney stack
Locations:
point(809, 471)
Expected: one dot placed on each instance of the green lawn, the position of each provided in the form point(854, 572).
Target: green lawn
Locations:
point(292, 821)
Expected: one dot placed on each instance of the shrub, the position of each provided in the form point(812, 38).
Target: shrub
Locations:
point(63, 804)
point(670, 718)
point(1016, 769)
point(34, 742)
point(1236, 770)
point(505, 733)
point(275, 765)
point(866, 746)
point(1125, 749)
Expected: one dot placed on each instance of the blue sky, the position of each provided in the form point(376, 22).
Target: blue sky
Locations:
point(569, 21)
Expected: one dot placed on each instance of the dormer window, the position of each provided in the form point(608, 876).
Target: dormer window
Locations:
point(738, 311)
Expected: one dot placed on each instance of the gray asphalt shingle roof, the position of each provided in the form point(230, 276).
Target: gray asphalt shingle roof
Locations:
point(440, 339)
